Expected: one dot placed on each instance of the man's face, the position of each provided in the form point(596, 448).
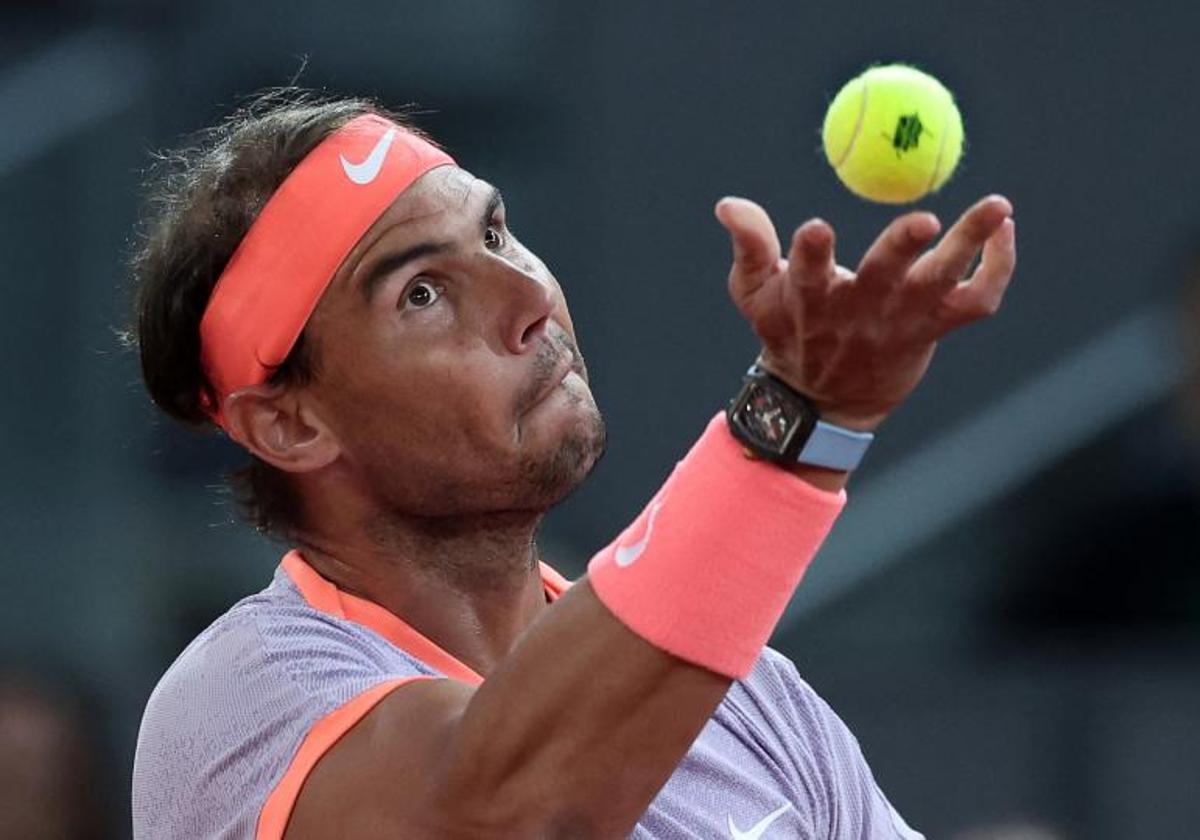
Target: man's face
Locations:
point(447, 362)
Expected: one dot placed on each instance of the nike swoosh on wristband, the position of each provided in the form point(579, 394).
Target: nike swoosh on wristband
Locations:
point(366, 172)
point(760, 827)
point(627, 555)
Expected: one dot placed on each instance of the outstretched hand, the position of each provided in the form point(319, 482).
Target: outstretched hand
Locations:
point(857, 343)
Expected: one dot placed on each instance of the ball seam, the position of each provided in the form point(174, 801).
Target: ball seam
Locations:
point(862, 114)
point(937, 163)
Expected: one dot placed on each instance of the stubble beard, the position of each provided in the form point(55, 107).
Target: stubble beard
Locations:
point(479, 547)
point(550, 479)
point(533, 485)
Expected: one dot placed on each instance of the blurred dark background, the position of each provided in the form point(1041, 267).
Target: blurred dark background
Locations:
point(1008, 615)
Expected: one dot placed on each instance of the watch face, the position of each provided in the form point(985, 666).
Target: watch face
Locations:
point(769, 417)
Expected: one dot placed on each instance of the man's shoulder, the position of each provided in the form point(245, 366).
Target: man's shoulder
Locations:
point(775, 678)
point(271, 644)
point(779, 707)
point(774, 740)
point(226, 718)
point(758, 761)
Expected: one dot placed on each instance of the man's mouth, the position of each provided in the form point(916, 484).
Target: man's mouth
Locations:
point(556, 359)
point(549, 367)
point(565, 364)
point(577, 364)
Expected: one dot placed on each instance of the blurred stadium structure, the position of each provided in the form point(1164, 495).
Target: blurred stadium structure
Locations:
point(1008, 615)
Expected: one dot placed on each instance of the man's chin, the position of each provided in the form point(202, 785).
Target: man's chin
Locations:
point(553, 476)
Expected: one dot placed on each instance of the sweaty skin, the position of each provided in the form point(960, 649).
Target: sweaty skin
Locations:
point(451, 408)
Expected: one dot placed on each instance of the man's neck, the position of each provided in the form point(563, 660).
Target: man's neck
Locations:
point(471, 584)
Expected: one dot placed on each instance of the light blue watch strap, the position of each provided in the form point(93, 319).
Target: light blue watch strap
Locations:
point(834, 448)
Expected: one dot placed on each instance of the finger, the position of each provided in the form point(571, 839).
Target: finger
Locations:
point(811, 262)
point(888, 259)
point(946, 265)
point(982, 295)
point(756, 250)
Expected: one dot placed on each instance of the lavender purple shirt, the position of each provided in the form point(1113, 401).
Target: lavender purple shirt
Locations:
point(226, 721)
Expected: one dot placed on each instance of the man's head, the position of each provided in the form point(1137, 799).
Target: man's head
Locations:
point(438, 375)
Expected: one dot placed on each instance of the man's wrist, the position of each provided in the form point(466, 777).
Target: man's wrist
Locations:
point(855, 422)
point(831, 481)
point(781, 424)
point(823, 479)
point(706, 570)
point(854, 419)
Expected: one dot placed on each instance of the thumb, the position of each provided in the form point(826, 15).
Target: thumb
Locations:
point(756, 250)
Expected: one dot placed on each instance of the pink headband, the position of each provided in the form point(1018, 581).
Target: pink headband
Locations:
point(283, 265)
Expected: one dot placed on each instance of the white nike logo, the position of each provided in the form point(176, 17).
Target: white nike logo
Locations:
point(627, 555)
point(366, 172)
point(760, 827)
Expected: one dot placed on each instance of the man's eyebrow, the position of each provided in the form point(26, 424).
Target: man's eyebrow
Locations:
point(495, 201)
point(380, 271)
point(373, 279)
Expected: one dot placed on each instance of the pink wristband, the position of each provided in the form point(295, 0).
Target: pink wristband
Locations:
point(708, 567)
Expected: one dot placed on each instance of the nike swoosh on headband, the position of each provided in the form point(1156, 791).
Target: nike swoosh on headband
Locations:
point(366, 172)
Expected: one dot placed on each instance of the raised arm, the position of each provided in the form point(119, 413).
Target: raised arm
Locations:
point(577, 730)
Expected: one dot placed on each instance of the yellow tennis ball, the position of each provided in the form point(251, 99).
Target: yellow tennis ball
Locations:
point(893, 134)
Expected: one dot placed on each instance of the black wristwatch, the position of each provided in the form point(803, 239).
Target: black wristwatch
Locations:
point(778, 423)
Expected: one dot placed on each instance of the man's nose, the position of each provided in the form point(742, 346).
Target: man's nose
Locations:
point(526, 301)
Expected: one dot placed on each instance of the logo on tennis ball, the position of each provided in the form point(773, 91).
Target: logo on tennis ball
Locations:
point(908, 133)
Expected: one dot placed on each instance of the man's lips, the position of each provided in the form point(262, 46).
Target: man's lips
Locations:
point(578, 366)
point(556, 359)
point(566, 364)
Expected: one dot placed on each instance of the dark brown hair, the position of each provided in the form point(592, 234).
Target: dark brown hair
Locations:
point(201, 202)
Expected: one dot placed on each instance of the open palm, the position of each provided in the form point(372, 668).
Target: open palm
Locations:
point(857, 343)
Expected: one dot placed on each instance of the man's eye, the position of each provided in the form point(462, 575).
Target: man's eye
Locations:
point(493, 240)
point(421, 294)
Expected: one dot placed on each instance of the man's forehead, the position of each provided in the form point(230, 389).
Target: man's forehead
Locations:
point(437, 191)
point(445, 189)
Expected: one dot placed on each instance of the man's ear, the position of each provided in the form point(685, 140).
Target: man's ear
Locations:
point(273, 424)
